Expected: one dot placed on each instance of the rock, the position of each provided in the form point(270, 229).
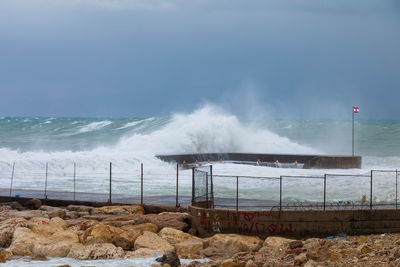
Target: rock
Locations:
point(233, 263)
point(124, 218)
point(33, 204)
point(336, 256)
point(64, 265)
point(119, 210)
point(7, 228)
point(80, 224)
point(15, 205)
point(170, 258)
point(95, 252)
point(75, 214)
point(300, 259)
point(46, 227)
point(100, 233)
point(277, 242)
point(310, 263)
point(189, 249)
point(126, 239)
point(27, 214)
point(153, 241)
point(168, 219)
point(141, 253)
point(23, 242)
point(235, 243)
point(5, 255)
point(364, 249)
point(58, 245)
point(79, 208)
point(151, 227)
point(174, 236)
point(38, 258)
point(97, 217)
point(251, 263)
point(61, 213)
point(363, 239)
point(295, 244)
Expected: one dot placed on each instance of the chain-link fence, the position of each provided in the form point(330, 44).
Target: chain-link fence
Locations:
point(377, 189)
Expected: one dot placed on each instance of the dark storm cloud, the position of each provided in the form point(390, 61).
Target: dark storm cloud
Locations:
point(307, 59)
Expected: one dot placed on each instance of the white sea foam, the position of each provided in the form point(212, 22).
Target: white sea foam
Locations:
point(93, 126)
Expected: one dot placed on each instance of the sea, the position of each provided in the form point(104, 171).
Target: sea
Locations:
point(52, 152)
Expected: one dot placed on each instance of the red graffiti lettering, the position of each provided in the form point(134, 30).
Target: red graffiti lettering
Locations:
point(204, 221)
point(272, 228)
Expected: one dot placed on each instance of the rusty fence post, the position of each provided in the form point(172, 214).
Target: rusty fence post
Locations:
point(141, 183)
point(109, 200)
point(324, 191)
point(45, 182)
point(12, 177)
point(177, 185)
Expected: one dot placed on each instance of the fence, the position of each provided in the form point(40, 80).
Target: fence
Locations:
point(377, 189)
point(105, 184)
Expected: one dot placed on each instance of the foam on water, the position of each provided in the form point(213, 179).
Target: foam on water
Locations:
point(94, 126)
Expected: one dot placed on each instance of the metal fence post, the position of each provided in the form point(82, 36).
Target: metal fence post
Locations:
point(396, 187)
point(280, 193)
point(12, 177)
point(193, 186)
point(207, 190)
point(110, 201)
point(177, 184)
point(324, 191)
point(45, 183)
point(141, 183)
point(212, 186)
point(370, 202)
point(237, 194)
point(74, 178)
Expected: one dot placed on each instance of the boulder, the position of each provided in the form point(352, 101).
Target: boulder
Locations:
point(123, 218)
point(33, 204)
point(141, 253)
point(168, 219)
point(79, 208)
point(61, 213)
point(170, 258)
point(151, 227)
point(23, 241)
point(15, 205)
point(119, 210)
point(100, 233)
point(300, 259)
point(46, 227)
point(153, 241)
point(95, 252)
point(7, 228)
point(126, 239)
point(235, 243)
point(232, 263)
point(26, 214)
point(277, 242)
point(189, 249)
point(5, 255)
point(174, 236)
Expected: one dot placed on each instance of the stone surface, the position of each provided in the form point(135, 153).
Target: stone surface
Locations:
point(174, 236)
point(119, 210)
point(5, 255)
point(26, 214)
point(189, 249)
point(277, 242)
point(170, 258)
point(100, 233)
point(153, 241)
point(80, 208)
point(33, 204)
point(7, 228)
point(95, 252)
point(168, 219)
point(141, 253)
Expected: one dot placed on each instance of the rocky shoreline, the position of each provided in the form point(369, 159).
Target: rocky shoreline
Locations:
point(125, 232)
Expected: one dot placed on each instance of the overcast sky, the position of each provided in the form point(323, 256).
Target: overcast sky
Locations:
point(139, 58)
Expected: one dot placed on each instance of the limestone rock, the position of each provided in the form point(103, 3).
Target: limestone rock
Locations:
point(61, 213)
point(300, 259)
point(95, 252)
point(126, 239)
point(26, 214)
point(153, 241)
point(5, 255)
point(170, 258)
point(141, 253)
point(336, 256)
point(277, 242)
point(7, 228)
point(168, 219)
point(119, 210)
point(15, 205)
point(189, 249)
point(100, 233)
point(174, 236)
point(233, 263)
point(79, 208)
point(46, 227)
point(235, 243)
point(151, 227)
point(295, 244)
point(23, 241)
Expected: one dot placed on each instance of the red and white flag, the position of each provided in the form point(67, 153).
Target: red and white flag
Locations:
point(356, 109)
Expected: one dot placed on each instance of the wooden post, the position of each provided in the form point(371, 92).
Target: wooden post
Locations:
point(110, 200)
point(45, 182)
point(12, 177)
point(141, 183)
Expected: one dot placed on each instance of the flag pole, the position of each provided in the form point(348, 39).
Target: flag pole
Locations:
point(353, 135)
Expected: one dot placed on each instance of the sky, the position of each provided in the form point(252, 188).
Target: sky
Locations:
point(138, 58)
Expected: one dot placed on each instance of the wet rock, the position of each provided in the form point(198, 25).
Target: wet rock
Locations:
point(38, 258)
point(33, 204)
point(119, 210)
point(189, 249)
point(170, 258)
point(174, 236)
point(95, 252)
point(5, 255)
point(141, 253)
point(153, 241)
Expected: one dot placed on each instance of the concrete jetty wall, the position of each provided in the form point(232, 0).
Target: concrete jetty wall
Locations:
point(294, 223)
point(309, 161)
